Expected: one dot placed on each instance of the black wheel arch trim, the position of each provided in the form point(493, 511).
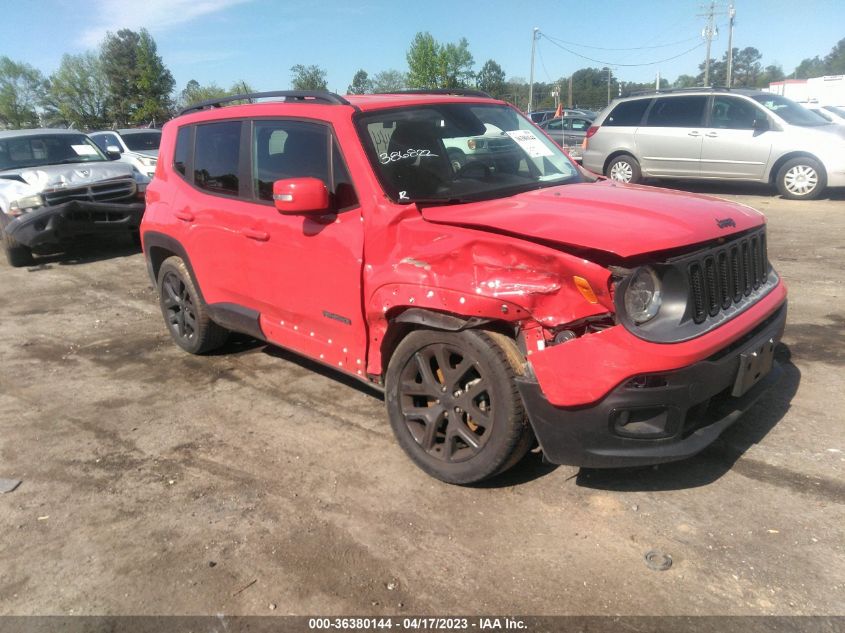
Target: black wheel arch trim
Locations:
point(231, 316)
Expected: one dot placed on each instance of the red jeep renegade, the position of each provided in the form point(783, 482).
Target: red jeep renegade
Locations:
point(442, 247)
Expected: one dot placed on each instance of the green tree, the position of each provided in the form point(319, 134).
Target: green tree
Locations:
point(746, 67)
point(153, 85)
point(424, 59)
point(78, 93)
point(119, 59)
point(389, 81)
point(684, 81)
point(308, 77)
point(810, 67)
point(455, 68)
point(770, 73)
point(834, 63)
point(22, 90)
point(196, 93)
point(491, 79)
point(361, 84)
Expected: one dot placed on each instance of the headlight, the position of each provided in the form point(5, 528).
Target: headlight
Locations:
point(148, 162)
point(643, 296)
point(25, 204)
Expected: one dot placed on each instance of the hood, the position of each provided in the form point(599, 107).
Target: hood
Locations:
point(152, 153)
point(68, 176)
point(625, 220)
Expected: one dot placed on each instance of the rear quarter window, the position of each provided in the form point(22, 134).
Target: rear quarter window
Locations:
point(183, 146)
point(627, 113)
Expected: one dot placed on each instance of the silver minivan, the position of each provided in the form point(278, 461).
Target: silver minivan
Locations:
point(717, 134)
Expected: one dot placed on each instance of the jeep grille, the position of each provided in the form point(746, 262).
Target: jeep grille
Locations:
point(724, 276)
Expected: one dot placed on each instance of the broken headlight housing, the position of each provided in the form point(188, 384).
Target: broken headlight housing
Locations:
point(643, 295)
point(25, 204)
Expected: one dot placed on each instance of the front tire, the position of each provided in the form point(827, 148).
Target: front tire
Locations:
point(184, 312)
point(454, 406)
point(801, 178)
point(17, 254)
point(624, 168)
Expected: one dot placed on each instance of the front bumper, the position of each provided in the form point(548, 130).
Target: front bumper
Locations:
point(54, 225)
point(657, 417)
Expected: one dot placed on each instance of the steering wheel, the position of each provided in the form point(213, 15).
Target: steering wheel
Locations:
point(466, 171)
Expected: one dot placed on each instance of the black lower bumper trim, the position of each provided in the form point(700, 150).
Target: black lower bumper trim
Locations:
point(51, 226)
point(687, 410)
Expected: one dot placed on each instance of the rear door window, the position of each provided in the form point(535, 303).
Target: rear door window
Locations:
point(677, 111)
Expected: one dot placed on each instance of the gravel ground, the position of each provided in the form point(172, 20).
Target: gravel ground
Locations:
point(253, 482)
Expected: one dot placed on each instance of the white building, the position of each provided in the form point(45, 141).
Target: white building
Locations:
point(828, 90)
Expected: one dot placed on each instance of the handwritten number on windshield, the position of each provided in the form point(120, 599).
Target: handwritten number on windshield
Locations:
point(385, 158)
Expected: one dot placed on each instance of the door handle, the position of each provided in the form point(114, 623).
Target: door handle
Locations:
point(695, 133)
point(259, 236)
point(184, 216)
point(711, 135)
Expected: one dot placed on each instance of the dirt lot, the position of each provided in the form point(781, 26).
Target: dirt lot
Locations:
point(158, 482)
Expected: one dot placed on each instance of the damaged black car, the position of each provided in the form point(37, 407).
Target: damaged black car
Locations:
point(56, 186)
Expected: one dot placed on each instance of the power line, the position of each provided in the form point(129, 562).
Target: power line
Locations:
point(633, 48)
point(606, 63)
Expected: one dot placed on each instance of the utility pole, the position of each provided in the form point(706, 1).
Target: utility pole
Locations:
point(657, 82)
point(709, 32)
point(534, 35)
point(731, 14)
point(608, 85)
point(569, 95)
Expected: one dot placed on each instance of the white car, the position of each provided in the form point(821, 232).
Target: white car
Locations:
point(138, 147)
point(834, 114)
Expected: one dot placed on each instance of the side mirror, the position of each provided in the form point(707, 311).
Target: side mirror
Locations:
point(300, 195)
point(761, 124)
point(113, 152)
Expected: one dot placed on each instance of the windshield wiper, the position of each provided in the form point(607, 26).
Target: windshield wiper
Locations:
point(436, 201)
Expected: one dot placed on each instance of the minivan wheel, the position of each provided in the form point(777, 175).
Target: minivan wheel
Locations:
point(454, 406)
point(624, 168)
point(801, 179)
point(184, 312)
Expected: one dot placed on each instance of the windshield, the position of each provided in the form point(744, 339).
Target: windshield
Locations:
point(790, 111)
point(142, 141)
point(460, 152)
point(34, 151)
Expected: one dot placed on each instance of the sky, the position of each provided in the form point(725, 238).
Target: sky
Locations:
point(225, 41)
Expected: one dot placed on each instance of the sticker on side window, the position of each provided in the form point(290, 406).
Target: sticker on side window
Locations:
point(531, 144)
point(84, 150)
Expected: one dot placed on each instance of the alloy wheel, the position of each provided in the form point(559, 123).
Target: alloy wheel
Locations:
point(179, 307)
point(446, 402)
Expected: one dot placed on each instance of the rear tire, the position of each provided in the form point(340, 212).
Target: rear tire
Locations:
point(454, 406)
point(624, 168)
point(17, 254)
point(185, 314)
point(801, 178)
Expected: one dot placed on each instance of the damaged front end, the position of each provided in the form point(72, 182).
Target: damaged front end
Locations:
point(60, 215)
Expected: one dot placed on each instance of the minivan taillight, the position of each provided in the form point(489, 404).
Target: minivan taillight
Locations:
point(592, 130)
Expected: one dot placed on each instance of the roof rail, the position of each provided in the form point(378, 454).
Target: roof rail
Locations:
point(313, 96)
point(639, 93)
point(461, 92)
